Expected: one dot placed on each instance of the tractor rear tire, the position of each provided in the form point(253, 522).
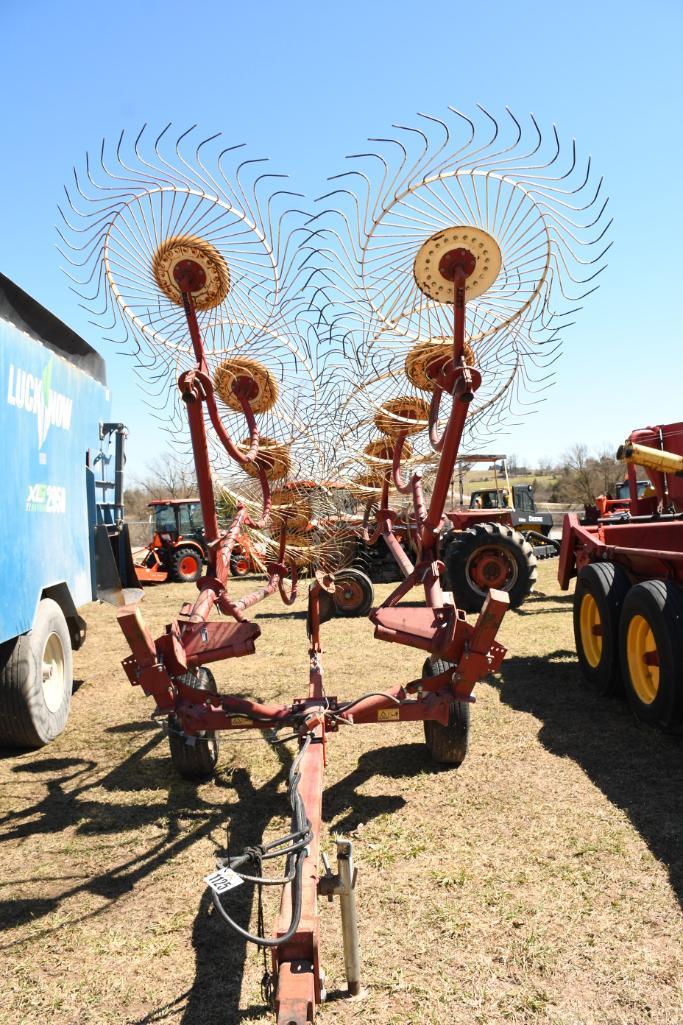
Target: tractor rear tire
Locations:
point(36, 680)
point(194, 756)
point(489, 555)
point(601, 588)
point(652, 623)
point(447, 744)
point(354, 594)
point(186, 565)
point(239, 564)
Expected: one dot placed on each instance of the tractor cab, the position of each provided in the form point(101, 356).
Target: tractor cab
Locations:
point(519, 501)
point(178, 519)
point(178, 548)
point(491, 499)
point(623, 489)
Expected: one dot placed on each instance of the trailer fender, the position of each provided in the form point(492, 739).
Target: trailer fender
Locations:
point(61, 594)
point(567, 568)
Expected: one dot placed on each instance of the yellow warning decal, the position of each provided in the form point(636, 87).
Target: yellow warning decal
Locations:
point(388, 713)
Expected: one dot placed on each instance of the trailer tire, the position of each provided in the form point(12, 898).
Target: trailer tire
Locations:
point(194, 756)
point(652, 622)
point(36, 680)
point(601, 588)
point(354, 594)
point(489, 555)
point(186, 565)
point(447, 744)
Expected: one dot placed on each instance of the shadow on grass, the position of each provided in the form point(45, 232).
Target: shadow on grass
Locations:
point(67, 805)
point(344, 805)
point(220, 954)
point(638, 769)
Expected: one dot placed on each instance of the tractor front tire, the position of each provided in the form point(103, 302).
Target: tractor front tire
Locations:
point(186, 565)
point(194, 756)
point(601, 588)
point(447, 744)
point(36, 680)
point(485, 556)
point(651, 650)
point(354, 594)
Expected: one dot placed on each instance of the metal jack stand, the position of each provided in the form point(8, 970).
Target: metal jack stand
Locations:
point(343, 885)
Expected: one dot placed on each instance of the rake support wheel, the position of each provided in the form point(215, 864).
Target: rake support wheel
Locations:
point(353, 593)
point(194, 756)
point(447, 744)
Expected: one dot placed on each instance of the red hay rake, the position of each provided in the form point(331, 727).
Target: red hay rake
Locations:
point(191, 255)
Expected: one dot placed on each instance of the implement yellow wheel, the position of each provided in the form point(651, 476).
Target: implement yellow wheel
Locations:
point(601, 589)
point(590, 625)
point(643, 659)
point(651, 652)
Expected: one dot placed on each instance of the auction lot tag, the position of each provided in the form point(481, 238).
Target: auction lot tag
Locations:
point(222, 880)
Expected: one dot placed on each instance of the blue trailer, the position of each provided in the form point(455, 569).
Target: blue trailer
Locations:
point(65, 538)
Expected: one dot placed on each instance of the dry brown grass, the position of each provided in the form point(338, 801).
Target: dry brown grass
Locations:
point(539, 883)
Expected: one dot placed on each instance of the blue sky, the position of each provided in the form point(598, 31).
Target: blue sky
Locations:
point(306, 83)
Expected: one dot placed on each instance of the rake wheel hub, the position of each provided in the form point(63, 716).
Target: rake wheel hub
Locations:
point(457, 260)
point(189, 276)
point(437, 261)
point(190, 264)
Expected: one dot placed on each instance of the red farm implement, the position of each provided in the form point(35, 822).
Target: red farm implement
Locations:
point(454, 278)
point(628, 602)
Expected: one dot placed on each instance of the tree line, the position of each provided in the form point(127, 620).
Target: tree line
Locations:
point(577, 478)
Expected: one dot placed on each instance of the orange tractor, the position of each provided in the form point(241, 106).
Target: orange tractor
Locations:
point(178, 548)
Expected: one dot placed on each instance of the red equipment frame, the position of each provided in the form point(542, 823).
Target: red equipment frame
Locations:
point(161, 666)
point(647, 543)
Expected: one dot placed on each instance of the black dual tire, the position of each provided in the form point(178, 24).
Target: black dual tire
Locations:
point(186, 565)
point(652, 623)
point(36, 680)
point(354, 594)
point(601, 589)
point(488, 555)
point(447, 744)
point(194, 757)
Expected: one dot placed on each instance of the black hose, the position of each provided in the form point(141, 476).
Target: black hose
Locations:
point(370, 694)
point(295, 853)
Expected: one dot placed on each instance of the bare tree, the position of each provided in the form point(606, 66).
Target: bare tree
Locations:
point(583, 477)
point(169, 476)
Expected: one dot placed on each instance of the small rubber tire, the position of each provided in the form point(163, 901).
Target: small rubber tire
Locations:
point(36, 680)
point(239, 563)
point(447, 744)
point(354, 594)
point(601, 588)
point(461, 551)
point(180, 568)
point(194, 756)
point(660, 604)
